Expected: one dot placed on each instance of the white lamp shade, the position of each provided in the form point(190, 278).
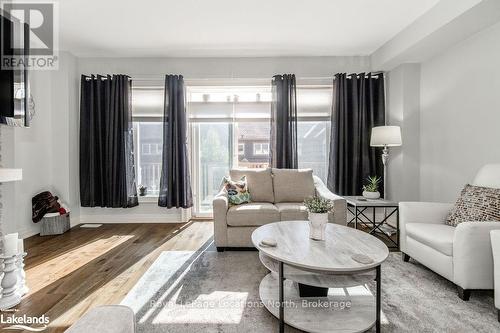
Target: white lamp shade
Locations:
point(389, 136)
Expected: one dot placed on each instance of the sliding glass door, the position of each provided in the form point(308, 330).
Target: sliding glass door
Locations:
point(229, 128)
point(212, 156)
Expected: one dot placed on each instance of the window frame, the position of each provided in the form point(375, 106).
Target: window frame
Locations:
point(146, 151)
point(241, 149)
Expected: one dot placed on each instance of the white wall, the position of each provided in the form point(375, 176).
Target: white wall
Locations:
point(44, 151)
point(31, 150)
point(403, 109)
point(65, 139)
point(460, 114)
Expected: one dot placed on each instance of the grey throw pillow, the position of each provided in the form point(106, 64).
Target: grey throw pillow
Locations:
point(475, 204)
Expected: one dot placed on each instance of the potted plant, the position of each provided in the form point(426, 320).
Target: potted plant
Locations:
point(318, 209)
point(142, 190)
point(370, 190)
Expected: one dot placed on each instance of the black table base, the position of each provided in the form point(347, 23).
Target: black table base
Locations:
point(372, 224)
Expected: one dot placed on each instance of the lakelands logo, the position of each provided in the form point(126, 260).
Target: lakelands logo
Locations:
point(24, 322)
point(30, 36)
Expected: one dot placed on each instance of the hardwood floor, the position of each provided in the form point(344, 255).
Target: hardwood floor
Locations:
point(83, 268)
point(86, 267)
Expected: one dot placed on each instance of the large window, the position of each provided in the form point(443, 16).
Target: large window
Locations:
point(147, 111)
point(148, 156)
point(314, 104)
point(229, 126)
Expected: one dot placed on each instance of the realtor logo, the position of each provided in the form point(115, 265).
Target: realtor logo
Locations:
point(29, 37)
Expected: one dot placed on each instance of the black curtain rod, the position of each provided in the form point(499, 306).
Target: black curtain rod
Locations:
point(102, 77)
point(365, 74)
point(380, 73)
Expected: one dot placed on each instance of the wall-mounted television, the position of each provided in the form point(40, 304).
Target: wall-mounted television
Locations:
point(15, 98)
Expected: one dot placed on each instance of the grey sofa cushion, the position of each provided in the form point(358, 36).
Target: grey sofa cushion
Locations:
point(292, 185)
point(260, 183)
point(252, 214)
point(437, 236)
point(291, 211)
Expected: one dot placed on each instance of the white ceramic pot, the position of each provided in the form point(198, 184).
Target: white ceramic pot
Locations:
point(317, 225)
point(371, 195)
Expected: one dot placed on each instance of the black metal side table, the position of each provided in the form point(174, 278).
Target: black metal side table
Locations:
point(360, 208)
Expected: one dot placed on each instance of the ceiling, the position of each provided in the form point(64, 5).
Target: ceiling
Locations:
point(232, 28)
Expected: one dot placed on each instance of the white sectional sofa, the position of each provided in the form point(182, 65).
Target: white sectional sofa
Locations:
point(276, 195)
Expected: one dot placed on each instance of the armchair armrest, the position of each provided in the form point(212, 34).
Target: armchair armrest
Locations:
point(420, 212)
point(472, 255)
point(495, 246)
point(424, 212)
point(220, 206)
point(339, 215)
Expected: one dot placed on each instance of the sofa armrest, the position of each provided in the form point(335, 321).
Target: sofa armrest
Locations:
point(220, 206)
point(339, 215)
point(472, 255)
point(420, 212)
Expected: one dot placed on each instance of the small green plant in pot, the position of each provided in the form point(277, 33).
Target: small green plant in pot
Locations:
point(370, 189)
point(143, 190)
point(318, 209)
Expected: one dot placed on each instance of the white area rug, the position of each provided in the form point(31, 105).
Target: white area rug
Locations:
point(207, 291)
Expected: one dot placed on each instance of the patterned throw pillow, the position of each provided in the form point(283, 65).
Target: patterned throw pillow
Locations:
point(475, 204)
point(237, 191)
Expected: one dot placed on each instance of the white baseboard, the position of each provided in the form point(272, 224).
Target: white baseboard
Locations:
point(28, 233)
point(132, 218)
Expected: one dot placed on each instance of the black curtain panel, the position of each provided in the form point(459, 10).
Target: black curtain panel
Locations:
point(175, 182)
point(359, 105)
point(284, 122)
point(107, 177)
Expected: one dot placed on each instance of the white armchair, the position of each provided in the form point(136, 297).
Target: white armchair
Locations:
point(461, 254)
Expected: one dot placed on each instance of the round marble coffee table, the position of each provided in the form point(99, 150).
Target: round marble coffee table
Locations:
point(322, 284)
